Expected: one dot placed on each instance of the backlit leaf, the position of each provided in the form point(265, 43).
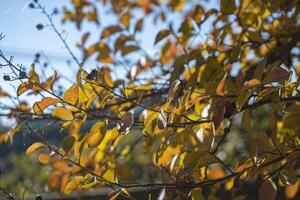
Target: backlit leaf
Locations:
point(62, 113)
point(44, 158)
point(23, 87)
point(72, 94)
point(96, 134)
point(40, 106)
point(34, 147)
point(73, 184)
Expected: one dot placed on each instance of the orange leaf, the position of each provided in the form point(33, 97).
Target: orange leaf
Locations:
point(40, 106)
point(44, 158)
point(251, 84)
point(221, 87)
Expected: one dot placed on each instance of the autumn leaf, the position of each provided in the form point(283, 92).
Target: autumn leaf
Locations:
point(34, 147)
point(62, 113)
point(23, 87)
point(96, 134)
point(72, 94)
point(44, 158)
point(221, 86)
point(73, 184)
point(161, 35)
point(68, 143)
point(40, 106)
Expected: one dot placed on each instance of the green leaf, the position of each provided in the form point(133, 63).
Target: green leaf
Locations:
point(96, 134)
point(34, 147)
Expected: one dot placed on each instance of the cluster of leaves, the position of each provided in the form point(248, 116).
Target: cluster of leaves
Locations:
point(243, 77)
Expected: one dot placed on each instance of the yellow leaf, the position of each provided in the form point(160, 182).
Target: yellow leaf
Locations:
point(125, 19)
point(40, 106)
point(73, 184)
point(34, 77)
point(50, 81)
point(250, 84)
point(44, 158)
point(62, 113)
point(109, 175)
point(34, 147)
point(96, 134)
point(72, 94)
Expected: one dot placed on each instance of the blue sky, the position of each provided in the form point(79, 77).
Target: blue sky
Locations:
point(22, 39)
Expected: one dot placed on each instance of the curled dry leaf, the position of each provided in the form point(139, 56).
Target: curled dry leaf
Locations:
point(125, 124)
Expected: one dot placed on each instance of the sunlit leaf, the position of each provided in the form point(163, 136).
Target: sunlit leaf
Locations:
point(62, 113)
point(44, 158)
point(96, 134)
point(73, 184)
point(40, 106)
point(72, 94)
point(34, 147)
